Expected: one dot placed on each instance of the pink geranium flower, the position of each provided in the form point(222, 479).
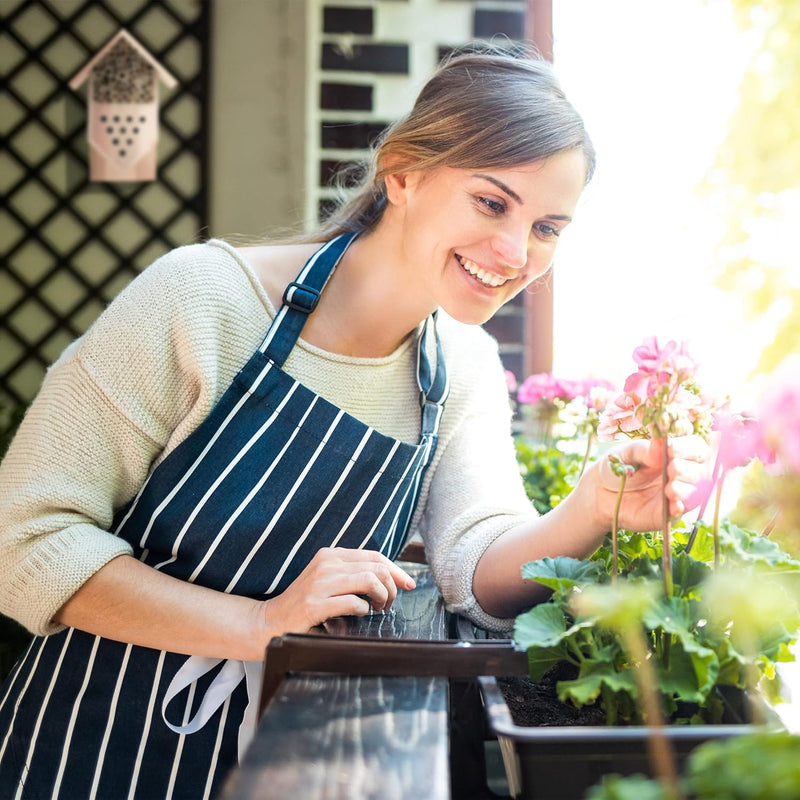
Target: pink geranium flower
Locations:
point(642, 384)
point(511, 381)
point(780, 415)
point(671, 360)
point(600, 395)
point(620, 418)
point(741, 440)
point(545, 386)
point(670, 402)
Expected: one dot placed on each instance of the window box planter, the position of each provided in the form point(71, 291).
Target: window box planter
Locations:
point(542, 762)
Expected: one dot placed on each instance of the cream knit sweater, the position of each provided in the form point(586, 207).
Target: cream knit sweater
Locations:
point(151, 368)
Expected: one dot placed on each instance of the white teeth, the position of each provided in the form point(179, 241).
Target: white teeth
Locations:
point(486, 278)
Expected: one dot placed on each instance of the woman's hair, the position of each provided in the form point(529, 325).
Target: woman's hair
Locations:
point(479, 110)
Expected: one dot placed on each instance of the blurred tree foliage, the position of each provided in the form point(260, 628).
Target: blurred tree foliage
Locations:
point(757, 176)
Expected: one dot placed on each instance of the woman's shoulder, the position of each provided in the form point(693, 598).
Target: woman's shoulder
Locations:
point(204, 282)
point(207, 268)
point(190, 299)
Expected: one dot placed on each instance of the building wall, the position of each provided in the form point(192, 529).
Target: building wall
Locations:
point(68, 244)
point(284, 91)
point(302, 87)
point(257, 116)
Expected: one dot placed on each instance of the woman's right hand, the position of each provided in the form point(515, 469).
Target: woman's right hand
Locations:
point(129, 601)
point(336, 582)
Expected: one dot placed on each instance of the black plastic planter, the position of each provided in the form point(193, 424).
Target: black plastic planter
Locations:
point(563, 762)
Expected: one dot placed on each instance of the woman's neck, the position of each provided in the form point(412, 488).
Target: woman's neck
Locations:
point(371, 303)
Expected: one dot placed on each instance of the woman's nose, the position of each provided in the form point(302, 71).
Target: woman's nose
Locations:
point(512, 248)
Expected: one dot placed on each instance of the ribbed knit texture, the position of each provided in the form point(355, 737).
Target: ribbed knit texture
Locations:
point(148, 372)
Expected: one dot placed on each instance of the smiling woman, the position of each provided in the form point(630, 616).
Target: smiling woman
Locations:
point(497, 229)
point(197, 477)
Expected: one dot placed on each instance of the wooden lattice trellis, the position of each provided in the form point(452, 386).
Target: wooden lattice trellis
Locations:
point(67, 245)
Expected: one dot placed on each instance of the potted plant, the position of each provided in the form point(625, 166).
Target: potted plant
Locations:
point(760, 766)
point(701, 662)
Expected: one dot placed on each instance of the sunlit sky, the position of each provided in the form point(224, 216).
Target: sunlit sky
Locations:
point(655, 83)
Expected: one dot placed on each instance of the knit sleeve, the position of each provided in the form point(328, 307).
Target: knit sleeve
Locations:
point(476, 492)
point(145, 375)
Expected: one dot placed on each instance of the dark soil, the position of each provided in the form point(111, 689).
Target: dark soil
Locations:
point(537, 704)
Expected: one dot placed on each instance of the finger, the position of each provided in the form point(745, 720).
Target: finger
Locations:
point(641, 453)
point(689, 448)
point(364, 583)
point(373, 579)
point(398, 575)
point(681, 496)
point(381, 589)
point(384, 574)
point(345, 605)
point(687, 471)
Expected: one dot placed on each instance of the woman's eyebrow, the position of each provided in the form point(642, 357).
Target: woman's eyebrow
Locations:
point(500, 185)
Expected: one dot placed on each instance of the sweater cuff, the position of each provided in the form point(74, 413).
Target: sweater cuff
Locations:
point(456, 572)
point(54, 570)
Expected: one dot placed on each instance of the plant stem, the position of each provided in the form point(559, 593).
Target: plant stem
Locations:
point(770, 526)
point(715, 527)
point(666, 543)
point(752, 674)
point(589, 442)
point(661, 756)
point(615, 530)
point(702, 509)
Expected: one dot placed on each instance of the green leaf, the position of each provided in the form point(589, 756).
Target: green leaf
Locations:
point(632, 787)
point(548, 474)
point(616, 606)
point(562, 573)
point(639, 545)
point(671, 614)
point(691, 674)
point(541, 659)
point(747, 547)
point(773, 643)
point(730, 665)
point(703, 547)
point(647, 567)
point(688, 574)
point(632, 547)
point(759, 766)
point(587, 686)
point(544, 625)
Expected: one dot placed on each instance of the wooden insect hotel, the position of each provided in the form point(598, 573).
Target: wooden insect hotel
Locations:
point(122, 118)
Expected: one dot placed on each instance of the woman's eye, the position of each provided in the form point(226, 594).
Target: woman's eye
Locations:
point(545, 230)
point(495, 206)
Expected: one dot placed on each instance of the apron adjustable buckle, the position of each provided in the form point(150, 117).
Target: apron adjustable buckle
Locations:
point(301, 297)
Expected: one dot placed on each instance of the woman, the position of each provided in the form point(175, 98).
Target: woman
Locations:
point(195, 477)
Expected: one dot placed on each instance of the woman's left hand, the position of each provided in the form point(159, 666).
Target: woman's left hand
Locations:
point(642, 503)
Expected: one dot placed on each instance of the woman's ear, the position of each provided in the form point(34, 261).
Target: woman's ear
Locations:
point(396, 186)
point(396, 179)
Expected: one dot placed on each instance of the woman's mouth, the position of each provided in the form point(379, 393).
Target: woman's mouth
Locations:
point(481, 275)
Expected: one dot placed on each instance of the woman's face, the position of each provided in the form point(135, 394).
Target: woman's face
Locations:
point(476, 238)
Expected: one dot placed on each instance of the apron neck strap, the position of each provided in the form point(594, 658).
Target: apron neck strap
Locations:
point(301, 297)
point(434, 385)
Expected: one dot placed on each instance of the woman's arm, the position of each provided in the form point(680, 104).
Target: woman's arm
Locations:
point(129, 601)
point(577, 525)
point(479, 526)
point(117, 402)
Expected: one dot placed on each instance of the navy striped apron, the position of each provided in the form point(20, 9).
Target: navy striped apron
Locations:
point(242, 505)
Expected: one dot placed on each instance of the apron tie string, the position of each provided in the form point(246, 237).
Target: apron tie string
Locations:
point(221, 688)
